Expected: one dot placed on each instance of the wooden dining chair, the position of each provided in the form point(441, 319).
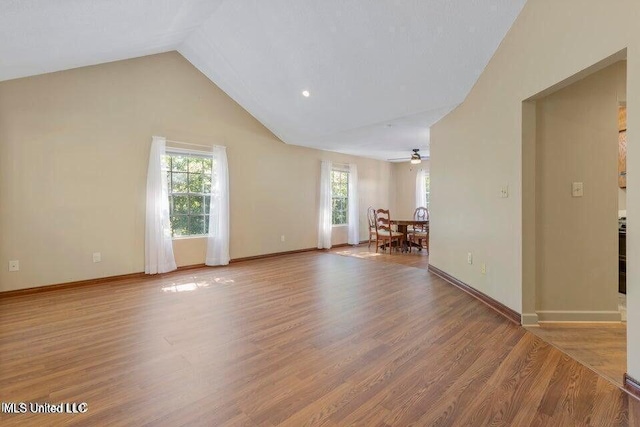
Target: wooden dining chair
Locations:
point(419, 233)
point(384, 233)
point(371, 217)
point(420, 214)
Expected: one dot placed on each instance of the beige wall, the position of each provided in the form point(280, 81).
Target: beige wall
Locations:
point(74, 147)
point(405, 187)
point(478, 148)
point(577, 237)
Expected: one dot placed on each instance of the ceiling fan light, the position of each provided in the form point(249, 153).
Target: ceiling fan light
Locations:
point(415, 160)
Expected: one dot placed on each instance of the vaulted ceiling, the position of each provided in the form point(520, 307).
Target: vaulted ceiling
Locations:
point(378, 73)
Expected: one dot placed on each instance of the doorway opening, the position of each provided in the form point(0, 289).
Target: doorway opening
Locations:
point(573, 202)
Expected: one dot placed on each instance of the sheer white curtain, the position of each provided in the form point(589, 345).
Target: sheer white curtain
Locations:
point(354, 222)
point(158, 248)
point(421, 189)
point(324, 215)
point(218, 239)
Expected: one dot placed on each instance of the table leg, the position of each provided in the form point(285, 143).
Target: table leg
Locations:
point(402, 228)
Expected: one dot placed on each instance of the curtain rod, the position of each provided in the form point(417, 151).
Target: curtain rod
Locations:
point(194, 145)
point(340, 164)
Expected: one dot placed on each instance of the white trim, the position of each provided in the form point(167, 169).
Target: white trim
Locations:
point(529, 319)
point(578, 316)
point(195, 153)
point(194, 145)
point(190, 236)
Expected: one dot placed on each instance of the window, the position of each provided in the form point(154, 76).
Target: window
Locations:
point(427, 186)
point(189, 181)
point(340, 197)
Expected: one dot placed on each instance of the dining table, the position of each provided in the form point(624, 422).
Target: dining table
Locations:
point(403, 225)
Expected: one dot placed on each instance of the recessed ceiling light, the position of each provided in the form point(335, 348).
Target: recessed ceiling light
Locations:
point(305, 93)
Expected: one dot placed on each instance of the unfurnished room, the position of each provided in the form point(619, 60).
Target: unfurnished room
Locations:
point(287, 213)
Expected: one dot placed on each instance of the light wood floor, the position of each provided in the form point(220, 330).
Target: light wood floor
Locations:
point(601, 346)
point(306, 339)
point(415, 258)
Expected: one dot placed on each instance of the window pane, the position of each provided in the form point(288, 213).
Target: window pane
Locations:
point(179, 163)
point(196, 205)
point(180, 205)
point(179, 184)
point(189, 180)
point(179, 225)
point(196, 225)
point(206, 165)
point(195, 182)
point(195, 164)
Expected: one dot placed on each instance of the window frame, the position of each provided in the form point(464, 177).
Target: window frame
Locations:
point(427, 187)
point(343, 173)
point(170, 153)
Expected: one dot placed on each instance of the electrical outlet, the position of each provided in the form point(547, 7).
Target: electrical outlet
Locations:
point(97, 257)
point(282, 238)
point(483, 268)
point(469, 258)
point(504, 192)
point(14, 265)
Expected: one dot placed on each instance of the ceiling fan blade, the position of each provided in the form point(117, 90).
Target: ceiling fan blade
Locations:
point(400, 158)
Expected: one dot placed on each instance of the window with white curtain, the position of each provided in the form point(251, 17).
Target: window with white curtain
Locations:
point(339, 197)
point(427, 186)
point(189, 183)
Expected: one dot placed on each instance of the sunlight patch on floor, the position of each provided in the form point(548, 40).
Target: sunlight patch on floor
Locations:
point(184, 287)
point(359, 254)
point(193, 286)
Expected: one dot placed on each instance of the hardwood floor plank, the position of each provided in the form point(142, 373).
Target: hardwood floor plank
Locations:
point(601, 346)
point(317, 338)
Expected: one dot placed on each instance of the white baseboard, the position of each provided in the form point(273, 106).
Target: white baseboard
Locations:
point(578, 316)
point(529, 319)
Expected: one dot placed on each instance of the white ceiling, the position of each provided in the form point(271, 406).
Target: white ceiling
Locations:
point(41, 36)
point(380, 73)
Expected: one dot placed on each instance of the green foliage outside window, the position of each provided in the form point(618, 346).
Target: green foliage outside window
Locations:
point(340, 197)
point(189, 182)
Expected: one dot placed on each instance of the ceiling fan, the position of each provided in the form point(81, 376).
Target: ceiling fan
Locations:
point(415, 158)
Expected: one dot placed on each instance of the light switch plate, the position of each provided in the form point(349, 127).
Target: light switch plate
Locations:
point(577, 189)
